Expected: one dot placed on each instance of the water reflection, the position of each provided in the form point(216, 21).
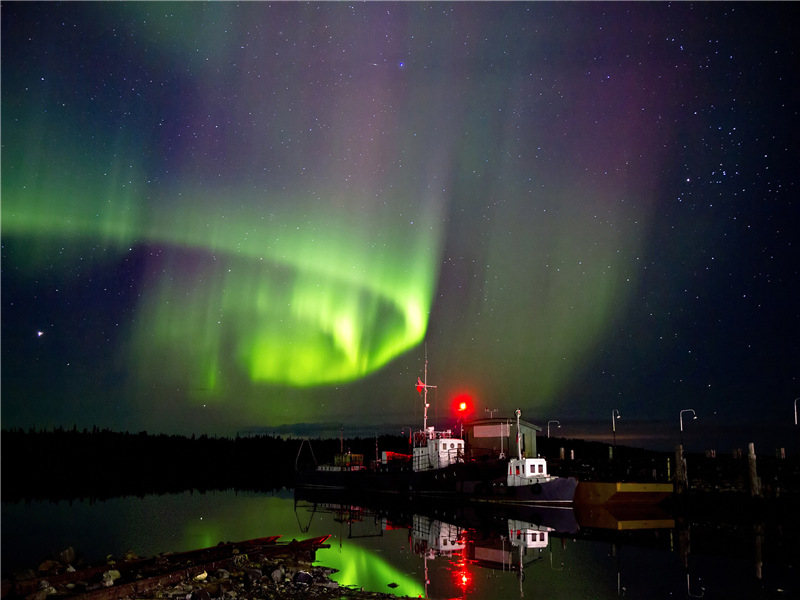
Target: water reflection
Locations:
point(437, 551)
point(487, 551)
point(481, 552)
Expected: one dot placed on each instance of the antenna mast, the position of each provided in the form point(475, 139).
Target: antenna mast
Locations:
point(424, 390)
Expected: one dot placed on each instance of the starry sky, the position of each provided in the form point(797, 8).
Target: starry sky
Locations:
point(231, 216)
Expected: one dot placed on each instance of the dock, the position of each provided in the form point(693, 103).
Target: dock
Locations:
point(614, 493)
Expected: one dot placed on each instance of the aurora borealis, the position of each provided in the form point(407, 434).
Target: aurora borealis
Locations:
point(222, 216)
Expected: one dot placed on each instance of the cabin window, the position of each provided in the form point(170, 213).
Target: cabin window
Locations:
point(517, 470)
point(452, 445)
point(541, 468)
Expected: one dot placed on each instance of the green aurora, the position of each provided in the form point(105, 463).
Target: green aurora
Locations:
point(296, 285)
point(220, 216)
point(294, 302)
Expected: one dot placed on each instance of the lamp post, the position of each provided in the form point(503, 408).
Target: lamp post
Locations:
point(795, 410)
point(548, 426)
point(410, 435)
point(614, 416)
point(694, 416)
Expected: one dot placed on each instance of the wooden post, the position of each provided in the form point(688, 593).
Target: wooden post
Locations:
point(757, 554)
point(561, 453)
point(681, 476)
point(755, 481)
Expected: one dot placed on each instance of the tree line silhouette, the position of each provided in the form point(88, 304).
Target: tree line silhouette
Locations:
point(64, 464)
point(99, 463)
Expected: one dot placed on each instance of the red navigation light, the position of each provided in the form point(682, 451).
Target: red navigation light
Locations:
point(463, 404)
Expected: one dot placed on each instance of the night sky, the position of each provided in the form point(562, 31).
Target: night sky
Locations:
point(224, 217)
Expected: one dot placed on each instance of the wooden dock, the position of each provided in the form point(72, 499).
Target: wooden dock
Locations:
point(605, 493)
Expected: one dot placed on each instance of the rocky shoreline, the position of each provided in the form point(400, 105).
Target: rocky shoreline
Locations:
point(289, 575)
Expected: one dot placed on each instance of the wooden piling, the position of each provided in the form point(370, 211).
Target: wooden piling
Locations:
point(758, 538)
point(681, 476)
point(755, 481)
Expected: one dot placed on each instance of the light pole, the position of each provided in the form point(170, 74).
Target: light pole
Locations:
point(548, 426)
point(795, 410)
point(694, 416)
point(614, 416)
point(410, 434)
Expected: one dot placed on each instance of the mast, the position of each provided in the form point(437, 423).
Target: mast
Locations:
point(422, 386)
point(519, 446)
point(425, 395)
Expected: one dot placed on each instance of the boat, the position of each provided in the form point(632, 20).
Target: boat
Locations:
point(444, 465)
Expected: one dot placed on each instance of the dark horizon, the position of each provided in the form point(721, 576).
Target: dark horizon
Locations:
point(659, 436)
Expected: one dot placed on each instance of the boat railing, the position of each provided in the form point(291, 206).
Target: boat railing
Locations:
point(340, 468)
point(422, 436)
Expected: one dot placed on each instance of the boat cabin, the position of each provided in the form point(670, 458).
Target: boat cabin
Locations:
point(436, 449)
point(497, 438)
point(526, 471)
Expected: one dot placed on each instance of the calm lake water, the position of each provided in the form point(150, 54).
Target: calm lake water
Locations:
point(432, 551)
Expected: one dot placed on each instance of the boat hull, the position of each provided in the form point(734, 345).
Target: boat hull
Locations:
point(478, 516)
point(478, 481)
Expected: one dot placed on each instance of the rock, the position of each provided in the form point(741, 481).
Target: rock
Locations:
point(110, 576)
point(303, 578)
point(279, 574)
point(67, 556)
point(130, 555)
point(222, 574)
point(49, 566)
point(252, 574)
point(37, 595)
point(334, 585)
point(200, 595)
point(222, 587)
point(240, 559)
